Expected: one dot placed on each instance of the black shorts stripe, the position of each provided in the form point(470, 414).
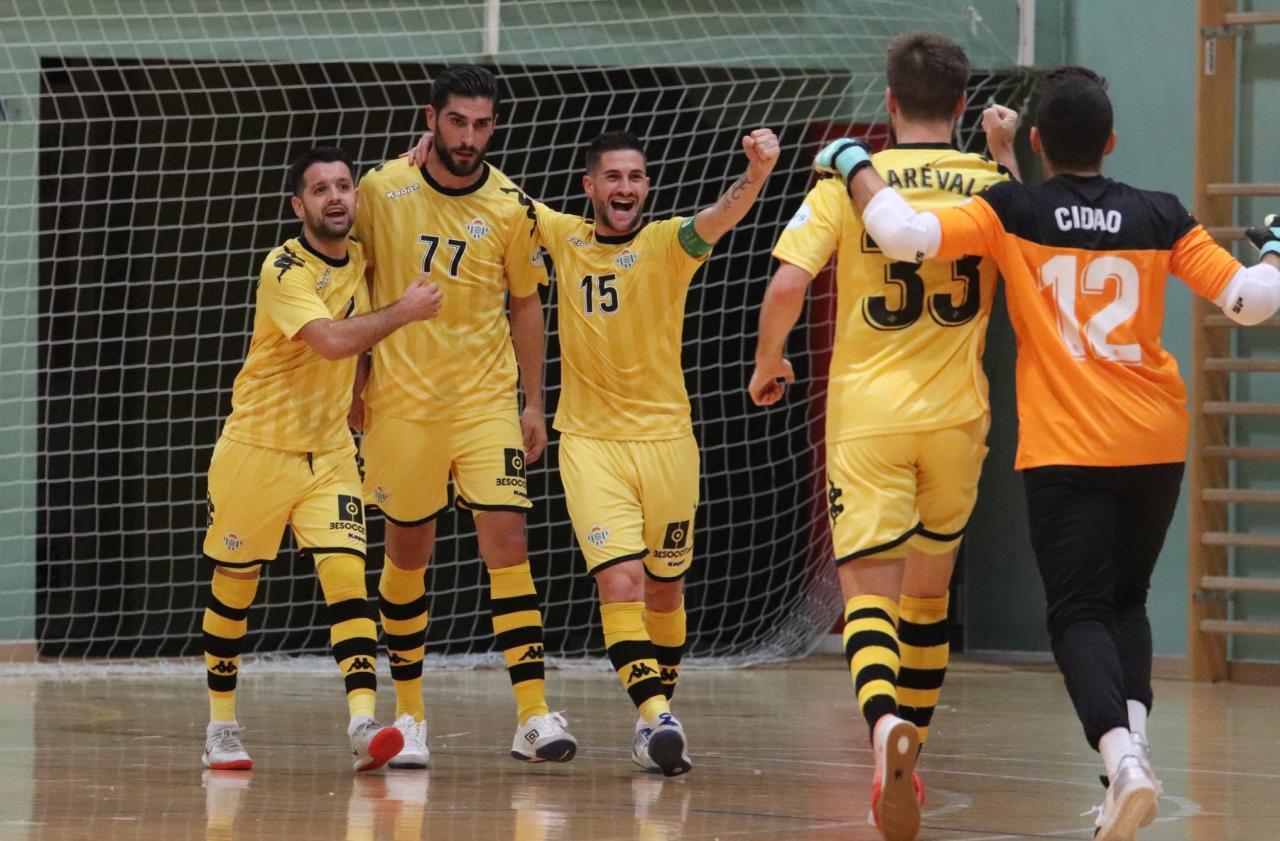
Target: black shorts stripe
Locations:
point(404, 642)
point(634, 556)
point(402, 612)
point(331, 550)
point(528, 635)
point(643, 690)
point(231, 614)
point(521, 672)
point(407, 671)
point(221, 683)
point(515, 604)
point(921, 678)
point(629, 651)
point(234, 564)
point(408, 524)
point(360, 680)
point(923, 636)
point(349, 609)
point(669, 655)
point(877, 671)
point(355, 647)
point(941, 536)
point(481, 507)
point(222, 647)
point(681, 574)
point(870, 613)
point(883, 547)
point(869, 639)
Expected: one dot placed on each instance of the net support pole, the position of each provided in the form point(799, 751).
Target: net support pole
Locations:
point(492, 26)
point(1026, 33)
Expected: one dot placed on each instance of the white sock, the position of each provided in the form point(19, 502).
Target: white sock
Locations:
point(1114, 745)
point(1137, 718)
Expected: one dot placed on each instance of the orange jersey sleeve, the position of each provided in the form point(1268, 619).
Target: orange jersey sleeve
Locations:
point(1203, 265)
point(969, 228)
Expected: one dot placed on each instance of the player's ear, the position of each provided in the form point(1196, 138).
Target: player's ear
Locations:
point(1111, 144)
point(890, 101)
point(431, 118)
point(298, 209)
point(960, 104)
point(1036, 146)
point(588, 186)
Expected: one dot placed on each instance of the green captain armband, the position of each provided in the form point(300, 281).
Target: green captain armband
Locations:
point(693, 245)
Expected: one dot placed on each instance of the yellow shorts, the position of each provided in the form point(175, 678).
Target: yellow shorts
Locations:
point(408, 463)
point(255, 492)
point(632, 499)
point(917, 489)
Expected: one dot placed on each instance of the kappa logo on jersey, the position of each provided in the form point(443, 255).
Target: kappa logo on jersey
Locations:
point(351, 307)
point(677, 535)
point(627, 258)
point(578, 241)
point(834, 508)
point(403, 191)
point(286, 260)
point(527, 204)
point(801, 217)
point(232, 541)
point(208, 510)
point(598, 536)
point(477, 228)
point(350, 509)
point(324, 281)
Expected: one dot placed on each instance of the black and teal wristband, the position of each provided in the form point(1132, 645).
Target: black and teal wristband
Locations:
point(693, 245)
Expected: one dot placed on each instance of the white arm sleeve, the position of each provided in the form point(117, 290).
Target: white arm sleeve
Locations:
point(1252, 296)
point(901, 233)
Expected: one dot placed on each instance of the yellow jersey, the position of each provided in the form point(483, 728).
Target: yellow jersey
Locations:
point(620, 303)
point(287, 396)
point(909, 337)
point(477, 243)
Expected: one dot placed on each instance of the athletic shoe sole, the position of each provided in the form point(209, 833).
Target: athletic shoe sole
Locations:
point(407, 763)
point(385, 744)
point(898, 810)
point(561, 750)
point(1135, 810)
point(233, 765)
point(666, 749)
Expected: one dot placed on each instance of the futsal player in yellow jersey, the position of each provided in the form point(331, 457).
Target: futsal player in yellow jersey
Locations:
point(285, 456)
point(442, 400)
point(628, 458)
point(907, 412)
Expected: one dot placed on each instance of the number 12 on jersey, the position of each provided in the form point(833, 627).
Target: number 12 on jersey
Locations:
point(598, 293)
point(1062, 274)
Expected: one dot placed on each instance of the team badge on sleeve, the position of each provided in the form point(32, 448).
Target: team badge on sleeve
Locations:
point(801, 217)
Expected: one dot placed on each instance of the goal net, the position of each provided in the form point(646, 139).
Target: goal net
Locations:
point(143, 145)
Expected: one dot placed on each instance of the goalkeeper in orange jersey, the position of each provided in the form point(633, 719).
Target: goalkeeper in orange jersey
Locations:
point(285, 456)
point(907, 412)
point(1101, 406)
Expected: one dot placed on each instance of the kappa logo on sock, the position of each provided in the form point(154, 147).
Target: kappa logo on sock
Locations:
point(639, 671)
point(224, 667)
point(534, 652)
point(669, 675)
point(834, 508)
point(350, 509)
point(360, 664)
point(677, 535)
point(396, 659)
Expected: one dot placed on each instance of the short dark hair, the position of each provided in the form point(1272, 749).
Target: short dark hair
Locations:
point(612, 141)
point(1074, 117)
point(928, 73)
point(470, 81)
point(296, 179)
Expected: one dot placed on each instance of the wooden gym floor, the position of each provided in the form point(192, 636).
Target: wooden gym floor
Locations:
point(778, 754)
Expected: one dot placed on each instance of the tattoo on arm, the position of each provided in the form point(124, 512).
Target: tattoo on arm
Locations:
point(735, 190)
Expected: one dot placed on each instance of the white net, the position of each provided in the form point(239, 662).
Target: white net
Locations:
point(143, 145)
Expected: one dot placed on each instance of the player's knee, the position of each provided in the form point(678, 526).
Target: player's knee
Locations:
point(501, 539)
point(663, 596)
point(409, 547)
point(622, 582)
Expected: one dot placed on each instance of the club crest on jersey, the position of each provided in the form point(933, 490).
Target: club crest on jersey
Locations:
point(403, 191)
point(627, 258)
point(232, 541)
point(380, 494)
point(324, 281)
point(598, 535)
point(477, 228)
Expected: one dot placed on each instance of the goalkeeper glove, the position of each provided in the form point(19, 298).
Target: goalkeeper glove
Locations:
point(1266, 237)
point(843, 157)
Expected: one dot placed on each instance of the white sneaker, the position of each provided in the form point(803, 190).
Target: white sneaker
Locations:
point(223, 750)
point(661, 746)
point(1130, 803)
point(896, 793)
point(1142, 750)
point(544, 738)
point(414, 754)
point(372, 744)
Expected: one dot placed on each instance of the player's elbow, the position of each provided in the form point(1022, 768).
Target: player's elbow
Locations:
point(323, 339)
point(1252, 296)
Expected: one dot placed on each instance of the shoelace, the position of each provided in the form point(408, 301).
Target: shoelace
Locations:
point(228, 739)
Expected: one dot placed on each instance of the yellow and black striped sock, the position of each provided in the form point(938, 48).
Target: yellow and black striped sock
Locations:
point(871, 649)
point(352, 633)
point(402, 603)
point(667, 631)
point(226, 620)
point(925, 644)
point(631, 652)
point(517, 625)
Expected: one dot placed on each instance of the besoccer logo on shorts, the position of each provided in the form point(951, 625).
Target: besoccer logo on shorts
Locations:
point(350, 509)
point(677, 536)
point(514, 460)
